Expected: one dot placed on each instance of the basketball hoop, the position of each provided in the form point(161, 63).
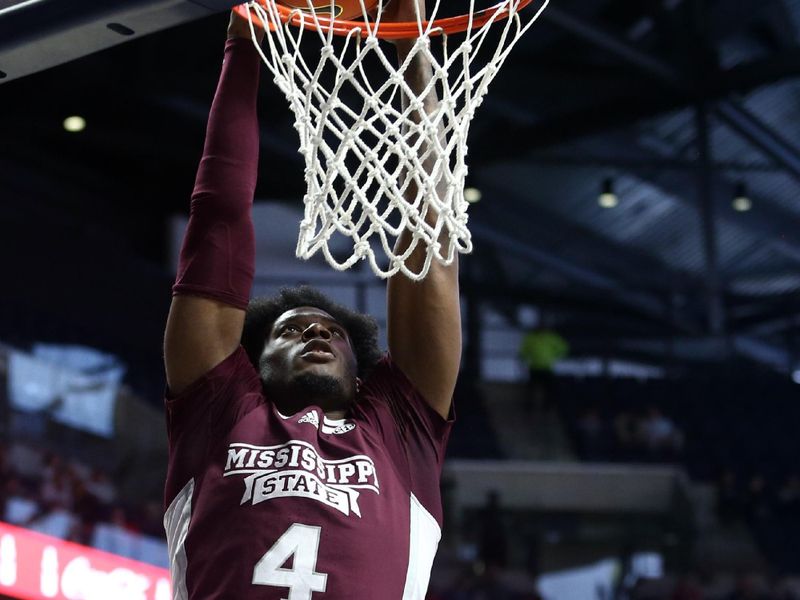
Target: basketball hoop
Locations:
point(362, 155)
point(388, 30)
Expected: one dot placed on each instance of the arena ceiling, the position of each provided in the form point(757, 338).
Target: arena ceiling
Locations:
point(676, 101)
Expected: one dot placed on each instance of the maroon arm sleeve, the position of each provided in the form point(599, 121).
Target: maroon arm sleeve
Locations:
point(217, 259)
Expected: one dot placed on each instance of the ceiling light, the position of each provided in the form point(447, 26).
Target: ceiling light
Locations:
point(607, 198)
point(741, 200)
point(796, 376)
point(74, 124)
point(472, 194)
point(742, 204)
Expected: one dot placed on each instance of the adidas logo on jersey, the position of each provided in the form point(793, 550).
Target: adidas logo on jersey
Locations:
point(310, 417)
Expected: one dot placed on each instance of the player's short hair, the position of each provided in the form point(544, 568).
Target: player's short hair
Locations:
point(263, 312)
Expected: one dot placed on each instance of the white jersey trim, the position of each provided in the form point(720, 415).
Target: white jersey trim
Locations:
point(425, 534)
point(176, 524)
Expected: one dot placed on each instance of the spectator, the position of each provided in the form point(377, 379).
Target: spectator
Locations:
point(88, 510)
point(747, 589)
point(593, 436)
point(787, 589)
point(493, 548)
point(787, 513)
point(119, 518)
point(490, 586)
point(788, 499)
point(625, 432)
point(659, 434)
point(729, 498)
point(760, 516)
point(758, 504)
point(687, 588)
point(56, 490)
point(540, 351)
point(100, 486)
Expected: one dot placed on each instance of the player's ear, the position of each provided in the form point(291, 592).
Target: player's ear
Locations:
point(358, 384)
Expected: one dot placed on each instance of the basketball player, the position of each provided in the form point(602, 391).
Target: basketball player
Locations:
point(304, 465)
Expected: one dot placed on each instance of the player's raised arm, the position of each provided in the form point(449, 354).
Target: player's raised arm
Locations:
point(424, 317)
point(215, 271)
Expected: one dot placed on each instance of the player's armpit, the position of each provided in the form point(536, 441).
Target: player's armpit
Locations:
point(201, 333)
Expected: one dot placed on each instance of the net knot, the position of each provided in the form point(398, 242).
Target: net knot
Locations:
point(416, 105)
point(361, 248)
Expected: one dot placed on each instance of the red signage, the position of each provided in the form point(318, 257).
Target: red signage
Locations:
point(35, 566)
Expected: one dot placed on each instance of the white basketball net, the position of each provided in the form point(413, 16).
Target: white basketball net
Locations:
point(364, 159)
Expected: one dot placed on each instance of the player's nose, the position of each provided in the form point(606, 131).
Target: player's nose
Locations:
point(316, 330)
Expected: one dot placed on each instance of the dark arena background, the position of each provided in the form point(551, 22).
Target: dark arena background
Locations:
point(628, 406)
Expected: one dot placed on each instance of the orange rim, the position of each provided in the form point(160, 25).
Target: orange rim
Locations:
point(387, 30)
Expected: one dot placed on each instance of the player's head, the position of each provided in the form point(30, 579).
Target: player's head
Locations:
point(309, 349)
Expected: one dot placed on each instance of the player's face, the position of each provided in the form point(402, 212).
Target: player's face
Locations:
point(309, 350)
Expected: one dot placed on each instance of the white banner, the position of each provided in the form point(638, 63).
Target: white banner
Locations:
point(83, 399)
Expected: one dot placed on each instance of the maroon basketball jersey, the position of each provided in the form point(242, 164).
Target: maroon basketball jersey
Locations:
point(269, 506)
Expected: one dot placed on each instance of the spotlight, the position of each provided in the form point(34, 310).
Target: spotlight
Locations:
point(741, 200)
point(796, 376)
point(74, 124)
point(472, 195)
point(607, 198)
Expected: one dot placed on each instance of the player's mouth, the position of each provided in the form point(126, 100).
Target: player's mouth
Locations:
point(317, 351)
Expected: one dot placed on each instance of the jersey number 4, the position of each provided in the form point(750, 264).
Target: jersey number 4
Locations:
point(302, 543)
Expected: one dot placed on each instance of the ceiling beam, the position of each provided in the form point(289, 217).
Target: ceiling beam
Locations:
point(594, 35)
point(673, 90)
point(760, 135)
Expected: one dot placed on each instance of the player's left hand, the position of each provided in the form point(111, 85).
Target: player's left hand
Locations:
point(238, 27)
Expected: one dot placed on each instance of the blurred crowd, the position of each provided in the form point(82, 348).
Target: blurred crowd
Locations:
point(712, 424)
point(631, 436)
point(44, 491)
point(694, 586)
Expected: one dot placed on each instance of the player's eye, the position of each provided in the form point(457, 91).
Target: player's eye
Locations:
point(337, 332)
point(291, 329)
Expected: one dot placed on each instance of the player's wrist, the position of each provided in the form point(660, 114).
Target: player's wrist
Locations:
point(403, 46)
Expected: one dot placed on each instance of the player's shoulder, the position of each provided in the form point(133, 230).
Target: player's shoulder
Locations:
point(235, 375)
point(385, 370)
